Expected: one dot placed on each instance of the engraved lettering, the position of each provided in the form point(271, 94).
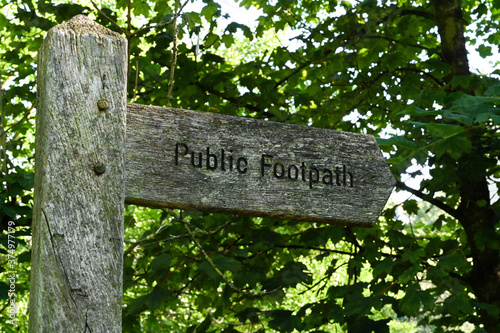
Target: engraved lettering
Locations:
point(213, 158)
point(222, 161)
point(263, 164)
point(239, 163)
point(327, 177)
point(230, 162)
point(199, 160)
point(345, 177)
point(337, 175)
point(281, 173)
point(296, 172)
point(303, 169)
point(307, 172)
point(313, 176)
point(177, 146)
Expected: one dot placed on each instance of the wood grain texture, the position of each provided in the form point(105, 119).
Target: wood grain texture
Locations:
point(204, 161)
point(76, 271)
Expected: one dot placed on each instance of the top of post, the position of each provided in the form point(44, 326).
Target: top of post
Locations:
point(81, 24)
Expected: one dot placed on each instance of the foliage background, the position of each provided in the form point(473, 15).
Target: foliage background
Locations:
point(395, 69)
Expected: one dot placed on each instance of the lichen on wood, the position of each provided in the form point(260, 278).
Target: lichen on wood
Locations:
point(205, 161)
point(76, 275)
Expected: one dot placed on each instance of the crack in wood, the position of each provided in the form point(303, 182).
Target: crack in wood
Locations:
point(87, 326)
point(56, 254)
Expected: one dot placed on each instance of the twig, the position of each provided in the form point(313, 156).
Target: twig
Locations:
point(212, 264)
point(206, 233)
point(129, 16)
point(429, 199)
point(160, 26)
point(174, 57)
point(109, 18)
point(387, 288)
point(293, 246)
point(4, 137)
point(136, 77)
point(25, 116)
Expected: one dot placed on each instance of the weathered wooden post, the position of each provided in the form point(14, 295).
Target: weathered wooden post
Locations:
point(76, 275)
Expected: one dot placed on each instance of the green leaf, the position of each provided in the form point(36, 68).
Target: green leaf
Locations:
point(413, 256)
point(462, 81)
point(454, 261)
point(161, 263)
point(458, 114)
point(468, 100)
point(409, 274)
point(315, 236)
point(367, 325)
point(4, 290)
point(141, 8)
point(227, 263)
point(458, 303)
point(439, 222)
point(294, 273)
point(411, 206)
point(484, 50)
point(444, 130)
point(205, 324)
point(283, 320)
point(157, 298)
point(234, 26)
point(209, 57)
point(493, 90)
point(210, 10)
point(27, 181)
point(251, 314)
point(414, 300)
point(228, 40)
point(138, 304)
point(11, 212)
point(385, 266)
point(208, 270)
point(248, 277)
point(492, 309)
point(455, 147)
point(399, 141)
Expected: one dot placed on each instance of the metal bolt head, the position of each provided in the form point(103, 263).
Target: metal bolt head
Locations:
point(99, 168)
point(103, 104)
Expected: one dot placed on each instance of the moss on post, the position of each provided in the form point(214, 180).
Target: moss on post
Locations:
point(76, 277)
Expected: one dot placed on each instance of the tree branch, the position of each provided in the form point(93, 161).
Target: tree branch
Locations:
point(441, 205)
point(161, 26)
point(416, 70)
point(250, 107)
point(26, 115)
point(417, 12)
point(303, 247)
point(295, 71)
point(174, 57)
point(212, 264)
point(428, 49)
point(109, 19)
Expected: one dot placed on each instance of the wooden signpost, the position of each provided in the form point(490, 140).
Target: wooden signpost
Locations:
point(94, 153)
point(205, 161)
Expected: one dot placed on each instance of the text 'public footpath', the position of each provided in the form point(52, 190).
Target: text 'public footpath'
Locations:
point(224, 160)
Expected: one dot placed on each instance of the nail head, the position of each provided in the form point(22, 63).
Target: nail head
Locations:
point(103, 104)
point(99, 168)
